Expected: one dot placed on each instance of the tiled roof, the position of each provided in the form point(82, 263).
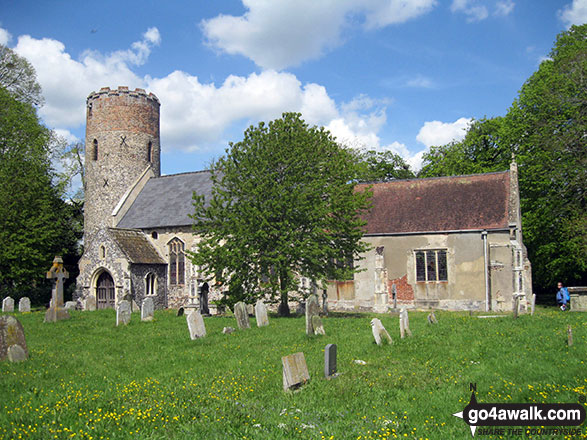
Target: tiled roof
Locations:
point(136, 247)
point(167, 201)
point(473, 202)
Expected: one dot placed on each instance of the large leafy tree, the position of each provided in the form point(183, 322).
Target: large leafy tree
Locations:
point(18, 76)
point(382, 166)
point(35, 223)
point(545, 129)
point(283, 205)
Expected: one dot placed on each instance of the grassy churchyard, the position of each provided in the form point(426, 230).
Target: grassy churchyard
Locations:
point(87, 378)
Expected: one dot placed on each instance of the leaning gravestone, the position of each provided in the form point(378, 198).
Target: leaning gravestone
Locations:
point(8, 304)
point(295, 371)
point(123, 313)
point(379, 331)
point(12, 335)
point(56, 312)
point(148, 309)
point(196, 325)
point(312, 309)
point(317, 325)
point(70, 305)
point(90, 303)
point(404, 323)
point(241, 315)
point(329, 360)
point(261, 314)
point(24, 305)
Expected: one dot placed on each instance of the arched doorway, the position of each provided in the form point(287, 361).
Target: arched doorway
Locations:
point(105, 292)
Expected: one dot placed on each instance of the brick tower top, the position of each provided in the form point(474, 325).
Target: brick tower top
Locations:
point(122, 143)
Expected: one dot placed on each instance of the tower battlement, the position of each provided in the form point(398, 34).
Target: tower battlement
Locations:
point(121, 91)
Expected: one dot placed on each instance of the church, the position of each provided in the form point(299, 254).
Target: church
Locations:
point(452, 243)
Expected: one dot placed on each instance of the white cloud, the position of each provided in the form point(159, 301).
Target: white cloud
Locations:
point(276, 35)
point(5, 37)
point(441, 133)
point(420, 82)
point(472, 11)
point(504, 8)
point(574, 13)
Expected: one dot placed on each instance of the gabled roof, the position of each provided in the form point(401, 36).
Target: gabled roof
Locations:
point(439, 204)
point(136, 247)
point(166, 201)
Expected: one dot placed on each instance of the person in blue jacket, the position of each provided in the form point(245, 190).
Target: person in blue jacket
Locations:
point(562, 296)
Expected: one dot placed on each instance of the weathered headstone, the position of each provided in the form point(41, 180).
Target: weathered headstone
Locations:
point(123, 313)
point(11, 334)
point(312, 309)
point(404, 323)
point(241, 315)
point(317, 325)
point(516, 306)
point(8, 304)
point(250, 310)
point(148, 309)
point(533, 305)
point(261, 314)
point(379, 331)
point(295, 371)
point(394, 294)
point(90, 303)
point(329, 360)
point(569, 336)
point(17, 354)
point(24, 305)
point(56, 312)
point(70, 305)
point(432, 318)
point(228, 330)
point(196, 325)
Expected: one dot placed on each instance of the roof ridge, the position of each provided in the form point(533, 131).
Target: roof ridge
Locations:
point(371, 182)
point(183, 174)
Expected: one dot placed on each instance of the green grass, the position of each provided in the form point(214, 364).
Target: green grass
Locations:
point(87, 378)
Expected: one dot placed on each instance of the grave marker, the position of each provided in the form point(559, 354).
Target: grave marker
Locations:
point(8, 304)
point(90, 303)
point(11, 334)
point(533, 304)
point(24, 305)
point(329, 360)
point(569, 336)
point(241, 315)
point(196, 325)
point(312, 309)
point(378, 331)
point(70, 305)
point(123, 313)
point(404, 323)
point(516, 306)
point(295, 371)
point(56, 312)
point(317, 325)
point(148, 309)
point(261, 314)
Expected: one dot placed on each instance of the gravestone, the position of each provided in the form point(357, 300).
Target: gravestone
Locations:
point(16, 354)
point(432, 318)
point(317, 325)
point(394, 294)
point(516, 306)
point(56, 312)
point(148, 309)
point(123, 313)
point(379, 331)
point(295, 371)
point(24, 305)
point(329, 360)
point(203, 291)
point(569, 336)
point(404, 323)
point(90, 303)
point(533, 305)
point(11, 334)
point(312, 309)
point(227, 330)
point(70, 305)
point(196, 325)
point(8, 304)
point(241, 315)
point(261, 314)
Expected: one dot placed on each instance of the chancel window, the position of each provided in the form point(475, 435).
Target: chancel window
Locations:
point(95, 150)
point(150, 284)
point(176, 262)
point(431, 265)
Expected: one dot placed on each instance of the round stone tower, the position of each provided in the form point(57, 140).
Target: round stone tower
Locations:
point(122, 141)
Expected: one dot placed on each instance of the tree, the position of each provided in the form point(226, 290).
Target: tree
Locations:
point(35, 224)
point(545, 128)
point(283, 205)
point(18, 76)
point(382, 166)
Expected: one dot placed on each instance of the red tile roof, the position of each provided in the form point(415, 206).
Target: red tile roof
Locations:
point(439, 204)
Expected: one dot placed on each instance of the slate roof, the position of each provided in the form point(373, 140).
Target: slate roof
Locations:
point(166, 201)
point(136, 247)
point(456, 203)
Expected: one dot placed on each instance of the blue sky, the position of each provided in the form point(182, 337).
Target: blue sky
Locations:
point(397, 75)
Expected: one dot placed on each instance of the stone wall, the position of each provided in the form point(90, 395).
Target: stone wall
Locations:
point(138, 275)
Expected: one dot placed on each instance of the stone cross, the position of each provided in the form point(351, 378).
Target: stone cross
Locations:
point(404, 323)
point(379, 331)
point(196, 325)
point(8, 304)
point(56, 312)
point(261, 314)
point(329, 360)
point(241, 315)
point(24, 305)
point(148, 309)
point(295, 371)
point(312, 309)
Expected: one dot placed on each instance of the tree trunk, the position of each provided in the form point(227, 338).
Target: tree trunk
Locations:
point(283, 309)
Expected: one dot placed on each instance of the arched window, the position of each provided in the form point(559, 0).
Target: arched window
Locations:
point(151, 284)
point(102, 252)
point(150, 152)
point(176, 262)
point(95, 151)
